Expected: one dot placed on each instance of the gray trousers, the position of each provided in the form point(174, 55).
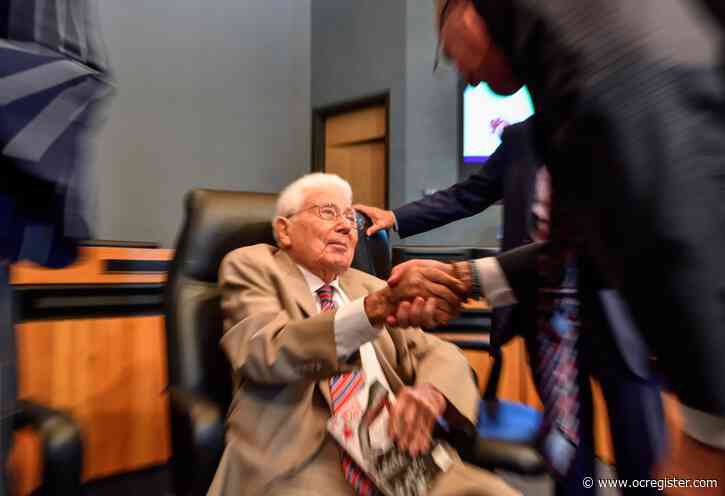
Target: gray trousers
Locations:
point(8, 384)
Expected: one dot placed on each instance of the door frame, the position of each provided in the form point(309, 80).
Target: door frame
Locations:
point(320, 114)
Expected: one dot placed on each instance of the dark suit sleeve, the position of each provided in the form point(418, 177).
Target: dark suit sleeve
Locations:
point(519, 267)
point(463, 199)
point(717, 9)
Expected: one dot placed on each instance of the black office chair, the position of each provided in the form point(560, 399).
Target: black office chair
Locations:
point(61, 447)
point(216, 222)
point(506, 431)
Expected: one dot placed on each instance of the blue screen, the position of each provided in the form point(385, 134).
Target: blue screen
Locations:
point(485, 115)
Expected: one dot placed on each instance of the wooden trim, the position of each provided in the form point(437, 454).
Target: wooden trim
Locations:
point(461, 166)
point(110, 374)
point(317, 163)
point(90, 268)
point(82, 301)
point(320, 114)
point(119, 243)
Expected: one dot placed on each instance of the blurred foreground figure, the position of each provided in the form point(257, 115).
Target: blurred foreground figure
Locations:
point(53, 73)
point(630, 100)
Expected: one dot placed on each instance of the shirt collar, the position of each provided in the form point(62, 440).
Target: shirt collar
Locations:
point(314, 282)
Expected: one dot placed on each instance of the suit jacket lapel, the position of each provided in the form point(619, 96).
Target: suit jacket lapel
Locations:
point(295, 283)
point(354, 288)
point(352, 285)
point(324, 386)
point(394, 379)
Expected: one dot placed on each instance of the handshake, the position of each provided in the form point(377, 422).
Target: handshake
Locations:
point(423, 293)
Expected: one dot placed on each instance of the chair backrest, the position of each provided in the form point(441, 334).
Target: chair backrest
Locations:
point(442, 253)
point(215, 223)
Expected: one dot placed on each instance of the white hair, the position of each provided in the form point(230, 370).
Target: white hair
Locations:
point(291, 198)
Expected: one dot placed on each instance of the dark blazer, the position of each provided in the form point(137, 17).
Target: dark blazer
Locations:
point(500, 178)
point(510, 174)
point(630, 100)
point(620, 360)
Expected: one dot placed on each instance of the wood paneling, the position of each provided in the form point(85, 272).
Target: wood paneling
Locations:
point(356, 126)
point(517, 384)
point(363, 166)
point(356, 150)
point(89, 268)
point(110, 374)
point(689, 458)
point(25, 462)
point(513, 380)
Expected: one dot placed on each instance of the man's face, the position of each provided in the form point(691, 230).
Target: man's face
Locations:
point(465, 40)
point(324, 247)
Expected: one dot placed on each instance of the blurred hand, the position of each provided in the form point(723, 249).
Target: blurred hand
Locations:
point(379, 306)
point(427, 279)
point(413, 416)
point(382, 219)
point(424, 313)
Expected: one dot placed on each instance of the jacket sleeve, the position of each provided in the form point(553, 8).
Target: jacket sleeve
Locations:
point(519, 267)
point(444, 366)
point(263, 342)
point(461, 200)
point(717, 9)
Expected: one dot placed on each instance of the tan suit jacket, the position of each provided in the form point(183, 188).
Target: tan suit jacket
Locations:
point(283, 353)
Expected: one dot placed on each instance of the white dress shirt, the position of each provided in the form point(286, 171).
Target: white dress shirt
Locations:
point(353, 331)
point(352, 326)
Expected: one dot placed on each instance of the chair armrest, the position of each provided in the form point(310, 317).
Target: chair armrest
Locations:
point(469, 321)
point(492, 454)
point(197, 437)
point(495, 454)
point(469, 331)
point(62, 446)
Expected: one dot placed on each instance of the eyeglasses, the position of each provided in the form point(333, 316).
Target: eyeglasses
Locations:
point(330, 212)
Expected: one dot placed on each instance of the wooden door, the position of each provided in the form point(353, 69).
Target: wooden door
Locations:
point(355, 148)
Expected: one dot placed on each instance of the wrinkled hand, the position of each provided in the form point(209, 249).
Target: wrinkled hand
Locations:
point(427, 293)
point(382, 219)
point(381, 308)
point(413, 416)
point(426, 314)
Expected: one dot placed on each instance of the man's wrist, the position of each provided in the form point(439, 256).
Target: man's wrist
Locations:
point(462, 272)
point(467, 272)
point(395, 221)
point(377, 307)
point(439, 401)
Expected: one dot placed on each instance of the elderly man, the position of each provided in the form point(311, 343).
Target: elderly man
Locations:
point(300, 325)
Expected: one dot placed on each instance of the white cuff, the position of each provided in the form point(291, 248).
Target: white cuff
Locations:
point(707, 428)
point(395, 221)
point(353, 328)
point(494, 285)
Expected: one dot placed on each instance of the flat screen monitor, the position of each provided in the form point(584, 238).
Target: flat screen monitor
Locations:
point(485, 114)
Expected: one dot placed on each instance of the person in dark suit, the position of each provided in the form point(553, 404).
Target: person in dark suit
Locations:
point(633, 398)
point(630, 103)
point(54, 74)
point(508, 174)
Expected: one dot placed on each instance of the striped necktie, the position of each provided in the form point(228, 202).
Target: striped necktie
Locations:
point(557, 371)
point(342, 388)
